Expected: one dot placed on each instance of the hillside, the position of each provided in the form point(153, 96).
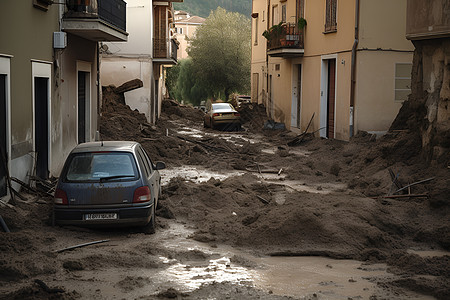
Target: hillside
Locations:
point(202, 8)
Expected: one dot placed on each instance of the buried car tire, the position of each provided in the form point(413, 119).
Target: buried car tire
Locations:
point(150, 227)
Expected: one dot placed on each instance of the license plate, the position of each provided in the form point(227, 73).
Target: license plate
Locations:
point(105, 216)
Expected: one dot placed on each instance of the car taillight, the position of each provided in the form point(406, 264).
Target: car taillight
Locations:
point(60, 197)
point(216, 115)
point(237, 114)
point(142, 194)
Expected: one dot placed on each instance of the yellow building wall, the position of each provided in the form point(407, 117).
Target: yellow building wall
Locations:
point(259, 46)
point(375, 107)
point(383, 25)
point(318, 43)
point(381, 45)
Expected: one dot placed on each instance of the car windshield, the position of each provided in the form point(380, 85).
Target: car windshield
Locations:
point(217, 106)
point(101, 166)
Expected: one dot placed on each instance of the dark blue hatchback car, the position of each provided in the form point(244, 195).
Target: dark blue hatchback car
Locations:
point(111, 183)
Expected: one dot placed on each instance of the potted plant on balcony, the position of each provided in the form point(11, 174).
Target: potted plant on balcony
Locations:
point(275, 33)
point(301, 23)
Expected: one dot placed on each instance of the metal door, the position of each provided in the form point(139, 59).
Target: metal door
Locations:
point(41, 126)
point(331, 97)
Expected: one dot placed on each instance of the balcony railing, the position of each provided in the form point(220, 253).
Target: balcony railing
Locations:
point(112, 12)
point(165, 49)
point(288, 36)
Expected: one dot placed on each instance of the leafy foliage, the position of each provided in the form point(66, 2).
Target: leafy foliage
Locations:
point(221, 52)
point(203, 8)
point(184, 85)
point(220, 60)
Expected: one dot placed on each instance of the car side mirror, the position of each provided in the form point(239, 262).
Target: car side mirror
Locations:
point(160, 165)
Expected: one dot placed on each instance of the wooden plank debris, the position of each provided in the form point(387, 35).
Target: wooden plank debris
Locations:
point(299, 139)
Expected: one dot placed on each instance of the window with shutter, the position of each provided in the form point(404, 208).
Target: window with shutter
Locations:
point(330, 17)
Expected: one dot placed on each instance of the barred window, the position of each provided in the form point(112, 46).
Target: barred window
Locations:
point(330, 21)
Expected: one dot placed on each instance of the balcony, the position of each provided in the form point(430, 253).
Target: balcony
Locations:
point(96, 20)
point(427, 19)
point(285, 40)
point(165, 51)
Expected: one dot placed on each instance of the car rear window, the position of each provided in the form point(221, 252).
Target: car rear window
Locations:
point(222, 106)
point(97, 166)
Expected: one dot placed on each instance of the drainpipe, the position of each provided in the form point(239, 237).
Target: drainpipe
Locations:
point(99, 93)
point(353, 70)
point(267, 59)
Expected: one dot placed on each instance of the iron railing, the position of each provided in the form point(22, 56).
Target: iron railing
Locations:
point(111, 11)
point(290, 36)
point(165, 48)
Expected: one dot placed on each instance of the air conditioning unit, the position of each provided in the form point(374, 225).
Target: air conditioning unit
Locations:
point(59, 40)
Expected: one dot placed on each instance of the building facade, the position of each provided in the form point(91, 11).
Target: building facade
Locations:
point(185, 28)
point(334, 59)
point(49, 91)
point(150, 47)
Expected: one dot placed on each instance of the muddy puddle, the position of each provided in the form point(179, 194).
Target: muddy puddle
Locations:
point(194, 174)
point(298, 277)
point(429, 253)
point(281, 187)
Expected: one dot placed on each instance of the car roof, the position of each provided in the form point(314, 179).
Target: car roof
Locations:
point(105, 146)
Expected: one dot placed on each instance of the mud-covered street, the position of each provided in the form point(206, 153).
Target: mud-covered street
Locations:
point(243, 215)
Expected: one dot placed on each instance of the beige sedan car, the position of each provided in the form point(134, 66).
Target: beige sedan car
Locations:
point(222, 114)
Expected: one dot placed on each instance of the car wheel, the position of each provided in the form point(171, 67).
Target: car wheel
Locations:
point(150, 227)
point(238, 127)
point(212, 124)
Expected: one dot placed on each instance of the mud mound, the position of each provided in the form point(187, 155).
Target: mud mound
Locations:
point(171, 107)
point(253, 115)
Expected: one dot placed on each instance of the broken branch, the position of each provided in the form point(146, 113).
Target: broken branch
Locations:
point(414, 183)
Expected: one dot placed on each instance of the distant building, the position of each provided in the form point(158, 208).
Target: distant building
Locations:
point(185, 27)
point(350, 65)
point(149, 49)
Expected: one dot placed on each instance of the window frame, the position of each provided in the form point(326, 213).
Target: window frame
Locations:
point(402, 78)
point(331, 7)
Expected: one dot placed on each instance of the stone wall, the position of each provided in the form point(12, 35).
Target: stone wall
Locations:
point(428, 107)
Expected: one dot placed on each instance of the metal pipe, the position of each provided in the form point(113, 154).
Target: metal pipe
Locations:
point(353, 69)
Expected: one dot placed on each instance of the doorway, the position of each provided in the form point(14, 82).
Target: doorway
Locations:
point(328, 97)
point(41, 96)
point(331, 97)
point(3, 153)
point(271, 105)
point(83, 106)
point(296, 97)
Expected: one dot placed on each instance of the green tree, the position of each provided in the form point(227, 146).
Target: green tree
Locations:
point(171, 80)
point(220, 53)
point(183, 84)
